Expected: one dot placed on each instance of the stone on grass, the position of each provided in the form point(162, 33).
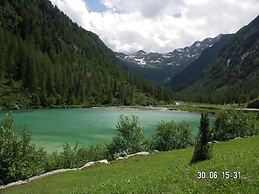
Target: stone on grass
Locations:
point(137, 154)
point(120, 158)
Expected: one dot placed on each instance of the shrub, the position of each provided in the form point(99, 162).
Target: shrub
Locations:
point(128, 138)
point(69, 156)
point(19, 159)
point(54, 161)
point(74, 157)
point(93, 153)
point(231, 124)
point(202, 150)
point(170, 135)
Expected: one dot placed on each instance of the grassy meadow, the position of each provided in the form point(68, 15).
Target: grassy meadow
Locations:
point(164, 172)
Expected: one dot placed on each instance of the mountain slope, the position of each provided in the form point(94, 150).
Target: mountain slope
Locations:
point(148, 73)
point(47, 60)
point(195, 69)
point(159, 67)
point(234, 75)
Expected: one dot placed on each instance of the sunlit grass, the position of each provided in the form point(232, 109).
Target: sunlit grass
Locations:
point(167, 172)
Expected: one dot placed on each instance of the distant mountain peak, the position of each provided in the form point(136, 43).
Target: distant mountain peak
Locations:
point(141, 52)
point(165, 64)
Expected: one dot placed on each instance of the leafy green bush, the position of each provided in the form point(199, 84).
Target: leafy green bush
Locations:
point(128, 139)
point(54, 161)
point(203, 149)
point(232, 123)
point(74, 157)
point(170, 135)
point(69, 156)
point(93, 152)
point(19, 159)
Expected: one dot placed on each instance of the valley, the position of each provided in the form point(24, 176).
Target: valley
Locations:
point(80, 83)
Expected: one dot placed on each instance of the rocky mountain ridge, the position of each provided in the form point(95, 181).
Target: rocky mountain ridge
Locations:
point(165, 65)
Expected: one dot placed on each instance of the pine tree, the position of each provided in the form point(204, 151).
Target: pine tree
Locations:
point(203, 149)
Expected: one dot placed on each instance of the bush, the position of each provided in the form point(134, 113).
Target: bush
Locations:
point(54, 161)
point(69, 156)
point(202, 150)
point(74, 157)
point(170, 135)
point(128, 138)
point(231, 124)
point(19, 159)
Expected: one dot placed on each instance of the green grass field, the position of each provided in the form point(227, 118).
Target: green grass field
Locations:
point(165, 172)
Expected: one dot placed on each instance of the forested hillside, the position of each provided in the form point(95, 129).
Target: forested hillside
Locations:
point(233, 76)
point(47, 60)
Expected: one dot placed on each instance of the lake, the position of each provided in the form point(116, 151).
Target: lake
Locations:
point(52, 128)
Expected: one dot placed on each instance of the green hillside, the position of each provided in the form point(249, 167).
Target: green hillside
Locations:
point(233, 76)
point(165, 172)
point(47, 60)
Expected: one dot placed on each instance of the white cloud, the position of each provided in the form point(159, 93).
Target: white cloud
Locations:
point(160, 26)
point(75, 9)
point(148, 8)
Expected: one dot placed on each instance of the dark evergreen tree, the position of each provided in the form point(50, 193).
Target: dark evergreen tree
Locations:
point(203, 150)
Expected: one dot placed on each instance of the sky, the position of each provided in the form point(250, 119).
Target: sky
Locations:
point(158, 25)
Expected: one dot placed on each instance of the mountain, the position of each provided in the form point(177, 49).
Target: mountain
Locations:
point(47, 60)
point(195, 69)
point(231, 77)
point(158, 67)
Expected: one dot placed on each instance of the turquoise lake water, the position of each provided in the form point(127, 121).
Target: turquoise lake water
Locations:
point(52, 128)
